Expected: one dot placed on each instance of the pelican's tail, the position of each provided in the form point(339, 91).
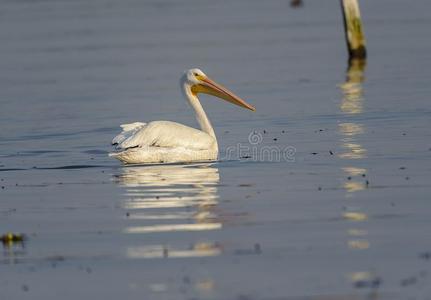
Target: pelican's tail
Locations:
point(128, 130)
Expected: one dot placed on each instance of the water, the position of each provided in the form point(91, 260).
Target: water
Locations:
point(329, 201)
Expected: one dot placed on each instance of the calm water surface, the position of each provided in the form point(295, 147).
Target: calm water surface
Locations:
point(323, 193)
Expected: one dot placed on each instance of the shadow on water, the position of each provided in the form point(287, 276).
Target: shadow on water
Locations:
point(171, 199)
point(71, 167)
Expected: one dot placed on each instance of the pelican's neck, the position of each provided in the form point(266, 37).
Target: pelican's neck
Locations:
point(200, 114)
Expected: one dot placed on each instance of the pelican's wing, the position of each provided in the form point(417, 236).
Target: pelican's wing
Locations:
point(128, 131)
point(168, 135)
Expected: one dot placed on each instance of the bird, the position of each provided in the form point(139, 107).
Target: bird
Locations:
point(171, 142)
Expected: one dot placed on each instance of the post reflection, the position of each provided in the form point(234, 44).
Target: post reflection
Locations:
point(169, 199)
point(350, 132)
point(355, 181)
point(352, 104)
point(352, 88)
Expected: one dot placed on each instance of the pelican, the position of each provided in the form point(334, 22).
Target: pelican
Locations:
point(169, 142)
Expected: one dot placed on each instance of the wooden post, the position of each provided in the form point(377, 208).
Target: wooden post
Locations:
point(296, 3)
point(355, 37)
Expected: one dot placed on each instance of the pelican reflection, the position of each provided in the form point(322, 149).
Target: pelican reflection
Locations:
point(167, 199)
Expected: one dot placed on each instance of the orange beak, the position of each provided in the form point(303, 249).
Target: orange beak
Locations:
point(210, 87)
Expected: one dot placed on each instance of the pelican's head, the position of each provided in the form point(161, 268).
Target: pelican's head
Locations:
point(199, 82)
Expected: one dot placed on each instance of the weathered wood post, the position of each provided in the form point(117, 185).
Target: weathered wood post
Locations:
point(355, 37)
point(296, 3)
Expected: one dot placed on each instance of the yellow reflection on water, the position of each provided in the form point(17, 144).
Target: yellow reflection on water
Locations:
point(353, 150)
point(358, 244)
point(355, 216)
point(205, 285)
point(352, 88)
point(357, 237)
point(361, 276)
point(353, 186)
point(351, 104)
point(353, 171)
point(355, 153)
point(357, 232)
point(350, 131)
point(169, 199)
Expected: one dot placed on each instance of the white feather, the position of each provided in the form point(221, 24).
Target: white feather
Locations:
point(167, 134)
point(128, 131)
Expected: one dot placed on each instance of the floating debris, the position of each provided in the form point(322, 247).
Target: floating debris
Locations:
point(255, 251)
point(245, 184)
point(186, 280)
point(425, 255)
point(365, 280)
point(11, 238)
point(409, 281)
point(375, 283)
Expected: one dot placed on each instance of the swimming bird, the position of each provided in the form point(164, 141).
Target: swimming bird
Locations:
point(170, 142)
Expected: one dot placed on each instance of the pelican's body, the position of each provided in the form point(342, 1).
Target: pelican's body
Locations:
point(164, 142)
point(168, 142)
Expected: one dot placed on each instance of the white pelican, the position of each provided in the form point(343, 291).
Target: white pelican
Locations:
point(167, 142)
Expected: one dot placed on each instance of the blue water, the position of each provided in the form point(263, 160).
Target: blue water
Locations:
point(323, 193)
